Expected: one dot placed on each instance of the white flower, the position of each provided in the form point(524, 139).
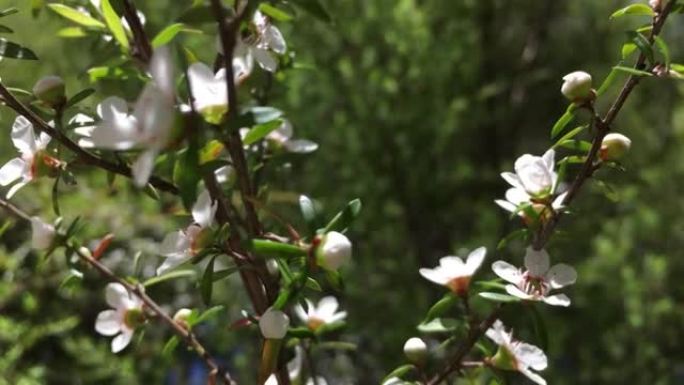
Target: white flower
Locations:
point(149, 125)
point(34, 160)
point(281, 137)
point(614, 146)
point(209, 91)
point(273, 324)
point(180, 246)
point(415, 350)
point(516, 197)
point(42, 234)
point(324, 314)
point(577, 86)
point(334, 251)
point(534, 175)
point(120, 321)
point(536, 282)
point(516, 355)
point(260, 46)
point(181, 317)
point(455, 274)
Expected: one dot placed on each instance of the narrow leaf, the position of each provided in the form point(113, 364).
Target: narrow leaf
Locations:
point(15, 51)
point(260, 131)
point(274, 13)
point(76, 16)
point(499, 297)
point(344, 218)
point(80, 96)
point(207, 283)
point(633, 9)
point(114, 23)
point(169, 276)
point(563, 121)
point(569, 135)
point(167, 34)
point(632, 71)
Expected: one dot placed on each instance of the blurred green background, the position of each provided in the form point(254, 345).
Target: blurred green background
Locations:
point(418, 105)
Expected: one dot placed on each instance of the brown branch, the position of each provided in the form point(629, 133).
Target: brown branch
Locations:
point(603, 127)
point(143, 48)
point(185, 334)
point(87, 157)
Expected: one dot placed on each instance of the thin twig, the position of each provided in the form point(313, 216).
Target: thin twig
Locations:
point(143, 48)
point(85, 156)
point(138, 290)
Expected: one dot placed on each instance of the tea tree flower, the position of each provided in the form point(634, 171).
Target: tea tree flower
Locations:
point(209, 92)
point(261, 46)
point(324, 314)
point(577, 86)
point(281, 139)
point(43, 234)
point(415, 350)
point(455, 274)
point(274, 324)
point(124, 317)
point(34, 160)
point(334, 251)
point(516, 355)
point(614, 146)
point(180, 246)
point(536, 282)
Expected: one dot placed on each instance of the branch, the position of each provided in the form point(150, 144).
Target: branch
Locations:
point(86, 156)
point(185, 334)
point(142, 44)
point(603, 126)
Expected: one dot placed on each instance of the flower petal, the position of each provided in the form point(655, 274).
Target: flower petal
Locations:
point(475, 259)
point(531, 356)
point(274, 39)
point(561, 275)
point(536, 378)
point(512, 179)
point(327, 307)
point(506, 205)
point(537, 262)
point(300, 146)
point(174, 243)
point(13, 190)
point(204, 210)
point(435, 275)
point(497, 333)
point(142, 168)
point(516, 292)
point(266, 59)
point(548, 158)
point(120, 342)
point(557, 300)
point(12, 170)
point(116, 295)
point(507, 271)
point(23, 137)
point(108, 322)
point(301, 313)
point(517, 196)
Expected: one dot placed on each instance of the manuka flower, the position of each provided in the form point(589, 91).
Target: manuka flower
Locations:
point(455, 274)
point(324, 313)
point(120, 321)
point(516, 355)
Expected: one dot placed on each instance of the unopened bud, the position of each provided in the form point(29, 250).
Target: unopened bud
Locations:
point(657, 5)
point(181, 317)
point(577, 86)
point(274, 324)
point(50, 90)
point(415, 350)
point(614, 146)
point(43, 234)
point(85, 251)
point(272, 267)
point(334, 251)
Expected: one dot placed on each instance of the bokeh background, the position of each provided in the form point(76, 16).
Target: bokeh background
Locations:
point(418, 105)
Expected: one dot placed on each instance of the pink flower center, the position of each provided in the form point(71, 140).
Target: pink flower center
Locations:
point(459, 285)
point(534, 285)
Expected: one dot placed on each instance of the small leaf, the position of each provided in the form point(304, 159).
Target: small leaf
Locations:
point(55, 197)
point(5, 29)
point(211, 151)
point(260, 131)
point(664, 50)
point(313, 284)
point(498, 297)
point(439, 325)
point(169, 276)
point(276, 249)
point(563, 121)
point(569, 135)
point(628, 49)
point(633, 9)
point(520, 233)
point(344, 218)
point(577, 145)
point(492, 284)
point(264, 114)
point(167, 34)
point(15, 51)
point(539, 327)
point(113, 21)
point(80, 96)
point(76, 16)
point(607, 82)
point(275, 13)
point(8, 11)
point(170, 347)
point(207, 283)
point(448, 302)
point(211, 312)
point(642, 43)
point(186, 173)
point(632, 71)
point(399, 372)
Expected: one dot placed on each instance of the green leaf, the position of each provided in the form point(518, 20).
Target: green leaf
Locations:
point(5, 29)
point(335, 280)
point(72, 32)
point(627, 49)
point(315, 8)
point(169, 276)
point(344, 218)
point(563, 121)
point(569, 135)
point(276, 249)
point(265, 114)
point(633, 9)
point(274, 13)
point(642, 43)
point(55, 197)
point(167, 34)
point(211, 151)
point(607, 82)
point(577, 145)
point(207, 283)
point(399, 372)
point(8, 11)
point(313, 284)
point(221, 274)
point(113, 21)
point(260, 131)
point(492, 284)
point(170, 347)
point(80, 96)
point(439, 325)
point(76, 16)
point(186, 173)
point(632, 71)
point(539, 327)
point(448, 302)
point(12, 50)
point(664, 50)
point(520, 233)
point(498, 297)
point(301, 332)
point(211, 312)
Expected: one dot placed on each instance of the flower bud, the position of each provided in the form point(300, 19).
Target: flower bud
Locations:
point(273, 324)
point(43, 234)
point(415, 350)
point(577, 86)
point(614, 146)
point(50, 89)
point(657, 5)
point(272, 267)
point(181, 317)
point(334, 251)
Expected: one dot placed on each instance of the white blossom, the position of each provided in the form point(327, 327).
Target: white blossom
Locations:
point(334, 251)
point(274, 324)
point(180, 246)
point(120, 321)
point(262, 46)
point(325, 313)
point(281, 137)
point(453, 273)
point(33, 160)
point(577, 86)
point(42, 234)
point(537, 280)
point(516, 355)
